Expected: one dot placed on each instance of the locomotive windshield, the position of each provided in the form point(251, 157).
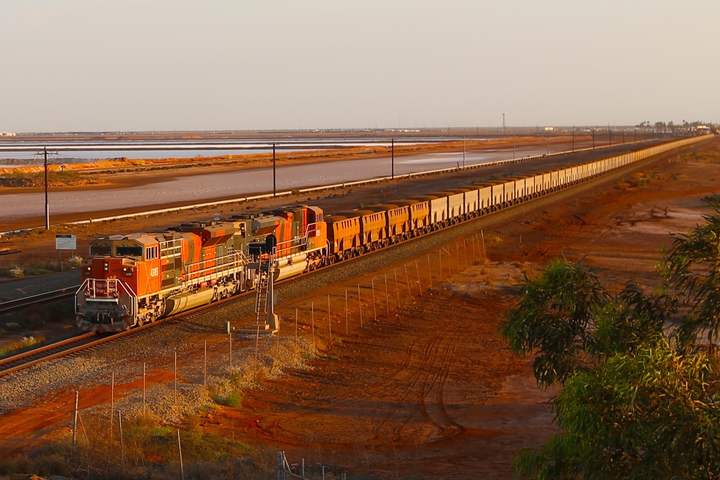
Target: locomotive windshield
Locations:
point(128, 251)
point(100, 250)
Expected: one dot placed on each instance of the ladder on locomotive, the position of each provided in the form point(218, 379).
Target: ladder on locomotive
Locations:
point(261, 290)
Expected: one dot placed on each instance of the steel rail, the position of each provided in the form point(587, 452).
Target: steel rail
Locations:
point(18, 303)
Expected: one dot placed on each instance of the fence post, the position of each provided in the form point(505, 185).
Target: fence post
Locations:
point(182, 469)
point(360, 307)
point(429, 271)
point(112, 404)
point(312, 323)
point(417, 272)
point(407, 281)
point(329, 320)
point(144, 389)
point(347, 323)
point(484, 251)
point(75, 417)
point(280, 466)
point(397, 290)
point(175, 379)
point(122, 440)
point(372, 283)
point(387, 298)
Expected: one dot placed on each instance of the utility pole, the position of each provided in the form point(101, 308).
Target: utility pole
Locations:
point(573, 139)
point(593, 135)
point(392, 158)
point(274, 185)
point(45, 154)
point(503, 118)
point(609, 136)
point(47, 201)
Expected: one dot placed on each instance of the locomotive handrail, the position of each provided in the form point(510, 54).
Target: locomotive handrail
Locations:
point(84, 291)
point(237, 258)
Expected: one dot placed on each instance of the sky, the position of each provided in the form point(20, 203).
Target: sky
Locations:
point(92, 65)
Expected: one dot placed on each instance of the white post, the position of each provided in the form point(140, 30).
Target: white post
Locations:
point(387, 298)
point(484, 251)
point(417, 273)
point(397, 289)
point(360, 307)
point(407, 281)
point(175, 379)
point(122, 441)
point(372, 283)
point(112, 404)
point(230, 355)
point(312, 321)
point(144, 389)
point(429, 271)
point(329, 319)
point(182, 470)
point(75, 417)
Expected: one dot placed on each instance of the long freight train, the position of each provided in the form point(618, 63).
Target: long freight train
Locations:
point(134, 279)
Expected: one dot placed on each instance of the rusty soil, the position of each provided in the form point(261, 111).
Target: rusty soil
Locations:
point(412, 379)
point(433, 391)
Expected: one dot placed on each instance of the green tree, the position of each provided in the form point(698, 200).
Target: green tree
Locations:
point(650, 414)
point(637, 402)
point(692, 270)
point(553, 319)
point(571, 323)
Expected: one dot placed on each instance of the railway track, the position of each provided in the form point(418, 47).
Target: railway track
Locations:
point(18, 303)
point(87, 341)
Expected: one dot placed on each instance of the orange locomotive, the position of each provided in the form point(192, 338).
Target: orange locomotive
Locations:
point(135, 279)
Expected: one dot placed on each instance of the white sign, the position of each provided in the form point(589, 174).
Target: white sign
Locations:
point(65, 242)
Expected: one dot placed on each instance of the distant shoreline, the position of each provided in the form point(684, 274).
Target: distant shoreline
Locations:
point(130, 172)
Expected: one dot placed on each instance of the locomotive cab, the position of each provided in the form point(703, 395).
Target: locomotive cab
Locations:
point(120, 269)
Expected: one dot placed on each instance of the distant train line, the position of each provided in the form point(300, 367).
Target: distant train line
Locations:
point(40, 298)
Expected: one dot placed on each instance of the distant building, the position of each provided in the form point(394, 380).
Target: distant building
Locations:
point(7, 134)
point(549, 129)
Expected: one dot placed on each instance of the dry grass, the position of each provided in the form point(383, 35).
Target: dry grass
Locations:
point(12, 347)
point(149, 446)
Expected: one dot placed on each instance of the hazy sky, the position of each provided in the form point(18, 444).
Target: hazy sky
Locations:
point(176, 64)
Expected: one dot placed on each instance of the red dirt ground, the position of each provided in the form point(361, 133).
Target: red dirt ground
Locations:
point(435, 392)
point(25, 428)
